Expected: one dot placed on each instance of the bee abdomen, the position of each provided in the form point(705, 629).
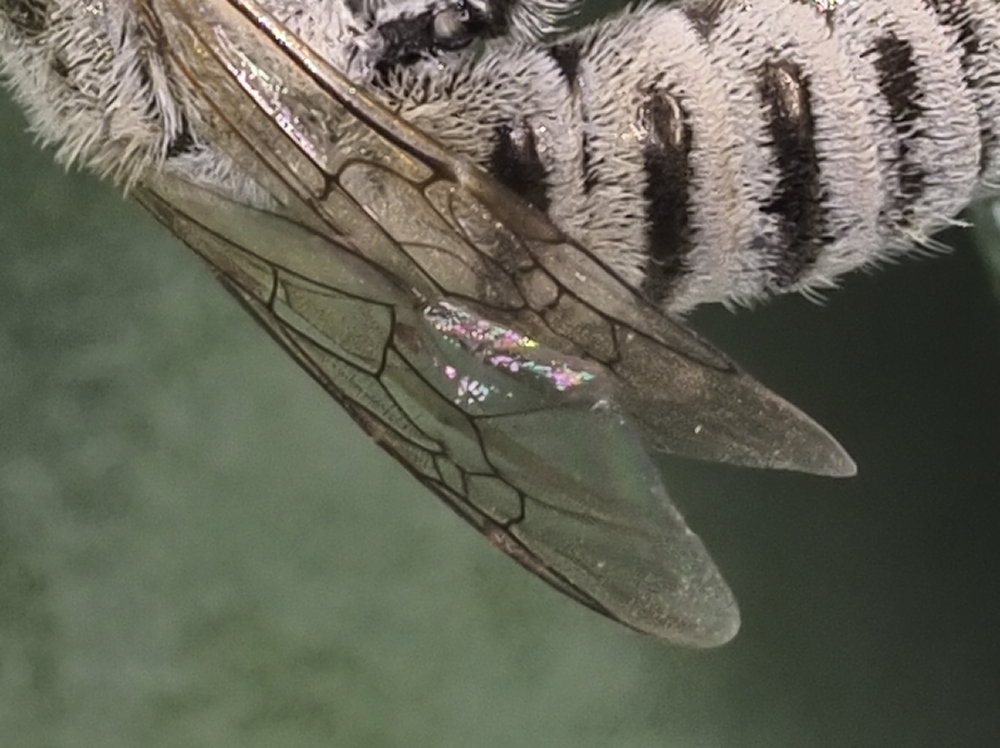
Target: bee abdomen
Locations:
point(805, 144)
point(848, 138)
point(722, 151)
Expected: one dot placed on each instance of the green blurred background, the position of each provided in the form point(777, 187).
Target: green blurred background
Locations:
point(197, 548)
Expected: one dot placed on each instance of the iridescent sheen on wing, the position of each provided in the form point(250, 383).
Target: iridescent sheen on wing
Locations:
point(500, 347)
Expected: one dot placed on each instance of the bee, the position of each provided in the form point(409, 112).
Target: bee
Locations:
point(479, 237)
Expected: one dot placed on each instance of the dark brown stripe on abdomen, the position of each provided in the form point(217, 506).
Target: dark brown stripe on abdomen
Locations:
point(666, 163)
point(898, 81)
point(514, 161)
point(798, 201)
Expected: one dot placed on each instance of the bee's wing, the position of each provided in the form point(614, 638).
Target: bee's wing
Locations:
point(391, 256)
point(347, 166)
point(518, 440)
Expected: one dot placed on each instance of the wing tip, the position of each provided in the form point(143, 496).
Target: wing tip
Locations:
point(704, 616)
point(711, 629)
point(721, 629)
point(838, 463)
point(818, 452)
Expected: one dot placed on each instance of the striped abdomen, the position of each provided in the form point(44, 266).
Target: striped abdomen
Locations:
point(714, 152)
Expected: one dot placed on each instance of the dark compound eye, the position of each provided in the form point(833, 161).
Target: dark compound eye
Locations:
point(30, 17)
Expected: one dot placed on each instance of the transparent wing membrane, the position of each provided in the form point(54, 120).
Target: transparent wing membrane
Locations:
point(518, 440)
point(511, 372)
